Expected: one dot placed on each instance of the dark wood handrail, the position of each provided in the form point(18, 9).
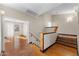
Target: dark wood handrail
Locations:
point(53, 27)
point(48, 33)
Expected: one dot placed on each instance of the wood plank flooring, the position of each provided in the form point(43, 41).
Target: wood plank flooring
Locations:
point(61, 50)
point(33, 50)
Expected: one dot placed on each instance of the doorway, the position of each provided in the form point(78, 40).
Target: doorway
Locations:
point(16, 34)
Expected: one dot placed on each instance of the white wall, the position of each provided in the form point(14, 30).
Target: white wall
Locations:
point(47, 20)
point(78, 34)
point(64, 26)
point(26, 30)
point(36, 26)
point(0, 34)
point(60, 20)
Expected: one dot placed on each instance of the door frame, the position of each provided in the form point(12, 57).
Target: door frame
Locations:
point(8, 19)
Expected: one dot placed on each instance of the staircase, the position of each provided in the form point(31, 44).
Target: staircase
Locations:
point(35, 38)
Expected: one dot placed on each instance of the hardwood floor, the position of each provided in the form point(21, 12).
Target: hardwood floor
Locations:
point(61, 50)
point(33, 50)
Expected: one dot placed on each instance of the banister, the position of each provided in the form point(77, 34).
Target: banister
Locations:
point(45, 33)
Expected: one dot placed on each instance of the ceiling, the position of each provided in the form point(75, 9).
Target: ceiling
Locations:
point(40, 8)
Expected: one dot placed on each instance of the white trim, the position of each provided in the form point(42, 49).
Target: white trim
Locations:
point(25, 24)
point(14, 20)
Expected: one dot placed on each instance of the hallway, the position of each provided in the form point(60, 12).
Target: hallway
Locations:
point(32, 50)
point(18, 21)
